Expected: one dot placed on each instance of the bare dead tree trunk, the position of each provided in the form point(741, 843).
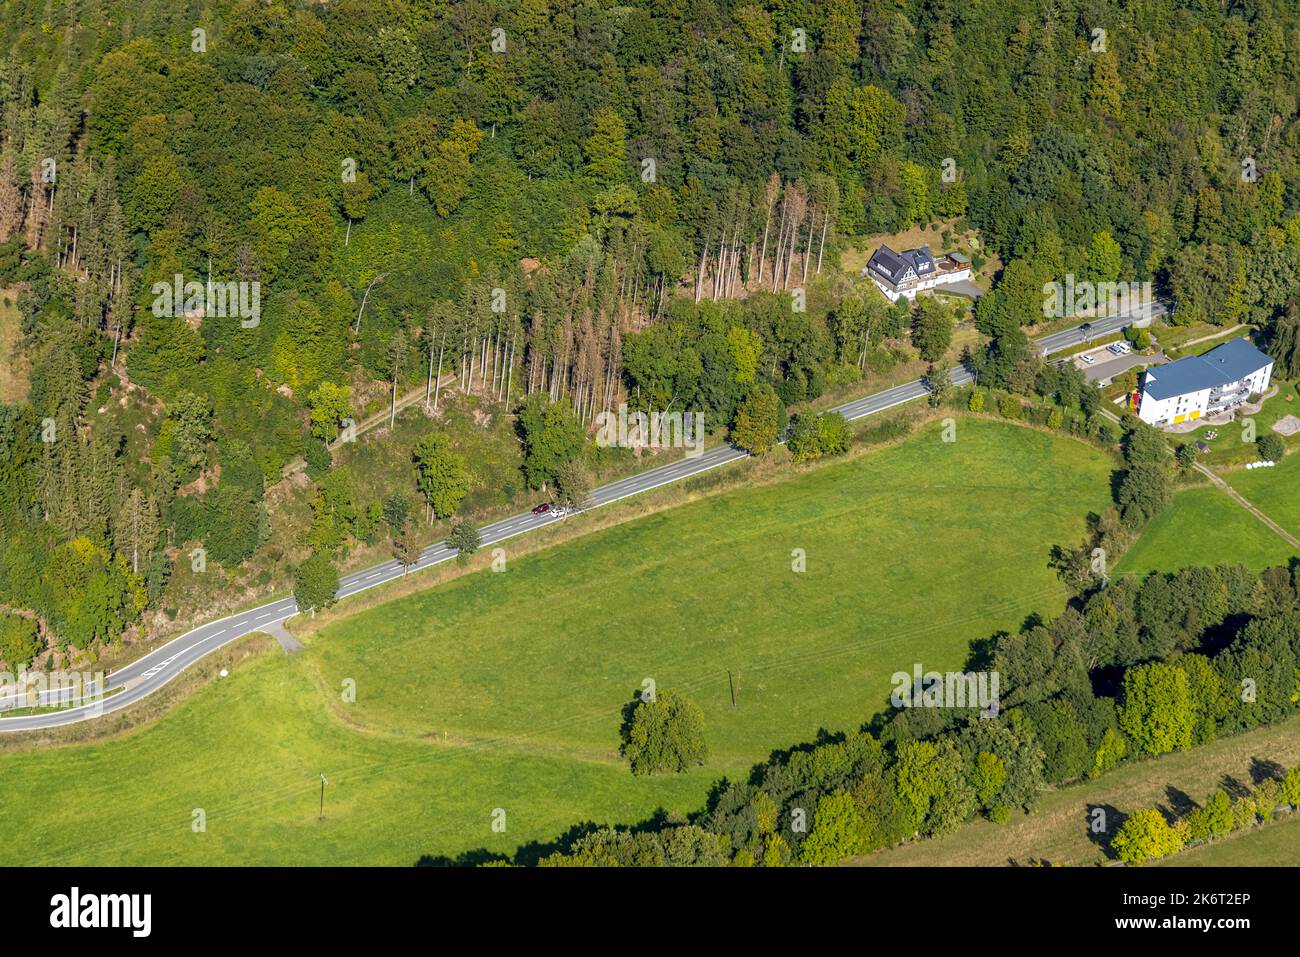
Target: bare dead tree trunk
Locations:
point(438, 382)
point(776, 257)
point(807, 252)
point(428, 382)
point(762, 259)
point(364, 299)
point(510, 370)
point(699, 276)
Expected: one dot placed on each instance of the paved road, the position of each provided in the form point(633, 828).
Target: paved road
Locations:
point(154, 670)
point(1098, 328)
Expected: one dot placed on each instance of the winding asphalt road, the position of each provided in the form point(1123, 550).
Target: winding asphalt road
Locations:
point(149, 673)
point(1098, 328)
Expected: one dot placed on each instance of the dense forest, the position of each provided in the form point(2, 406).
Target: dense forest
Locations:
point(562, 203)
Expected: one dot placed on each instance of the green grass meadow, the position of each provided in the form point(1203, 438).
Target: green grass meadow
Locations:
point(1275, 491)
point(1204, 526)
point(910, 554)
point(504, 690)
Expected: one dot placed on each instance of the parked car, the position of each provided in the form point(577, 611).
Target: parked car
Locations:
point(541, 509)
point(1087, 359)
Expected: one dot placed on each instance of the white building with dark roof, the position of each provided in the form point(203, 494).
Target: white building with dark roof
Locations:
point(1205, 385)
point(903, 275)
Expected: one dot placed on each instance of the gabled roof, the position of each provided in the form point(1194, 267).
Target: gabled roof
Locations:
point(889, 264)
point(894, 266)
point(1230, 362)
point(921, 258)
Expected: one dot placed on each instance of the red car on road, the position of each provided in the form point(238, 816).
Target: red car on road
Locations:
point(541, 509)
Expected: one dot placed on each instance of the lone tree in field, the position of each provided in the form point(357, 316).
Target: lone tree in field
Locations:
point(315, 583)
point(665, 734)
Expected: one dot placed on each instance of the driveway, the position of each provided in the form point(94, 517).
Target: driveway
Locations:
point(962, 287)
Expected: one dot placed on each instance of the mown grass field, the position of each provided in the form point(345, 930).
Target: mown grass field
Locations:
point(1275, 491)
point(504, 690)
point(1233, 445)
point(910, 554)
point(1204, 526)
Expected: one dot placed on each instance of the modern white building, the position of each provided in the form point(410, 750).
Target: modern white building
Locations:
point(903, 275)
point(1202, 386)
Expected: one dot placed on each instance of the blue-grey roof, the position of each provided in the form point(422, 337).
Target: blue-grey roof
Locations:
point(1230, 362)
point(894, 265)
point(889, 263)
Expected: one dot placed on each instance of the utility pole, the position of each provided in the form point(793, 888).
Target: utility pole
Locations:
point(732, 685)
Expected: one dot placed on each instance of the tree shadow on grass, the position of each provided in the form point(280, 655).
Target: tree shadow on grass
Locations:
point(1101, 822)
point(1032, 620)
point(1261, 769)
point(1180, 804)
point(475, 858)
point(982, 651)
point(1234, 787)
point(531, 854)
point(526, 855)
